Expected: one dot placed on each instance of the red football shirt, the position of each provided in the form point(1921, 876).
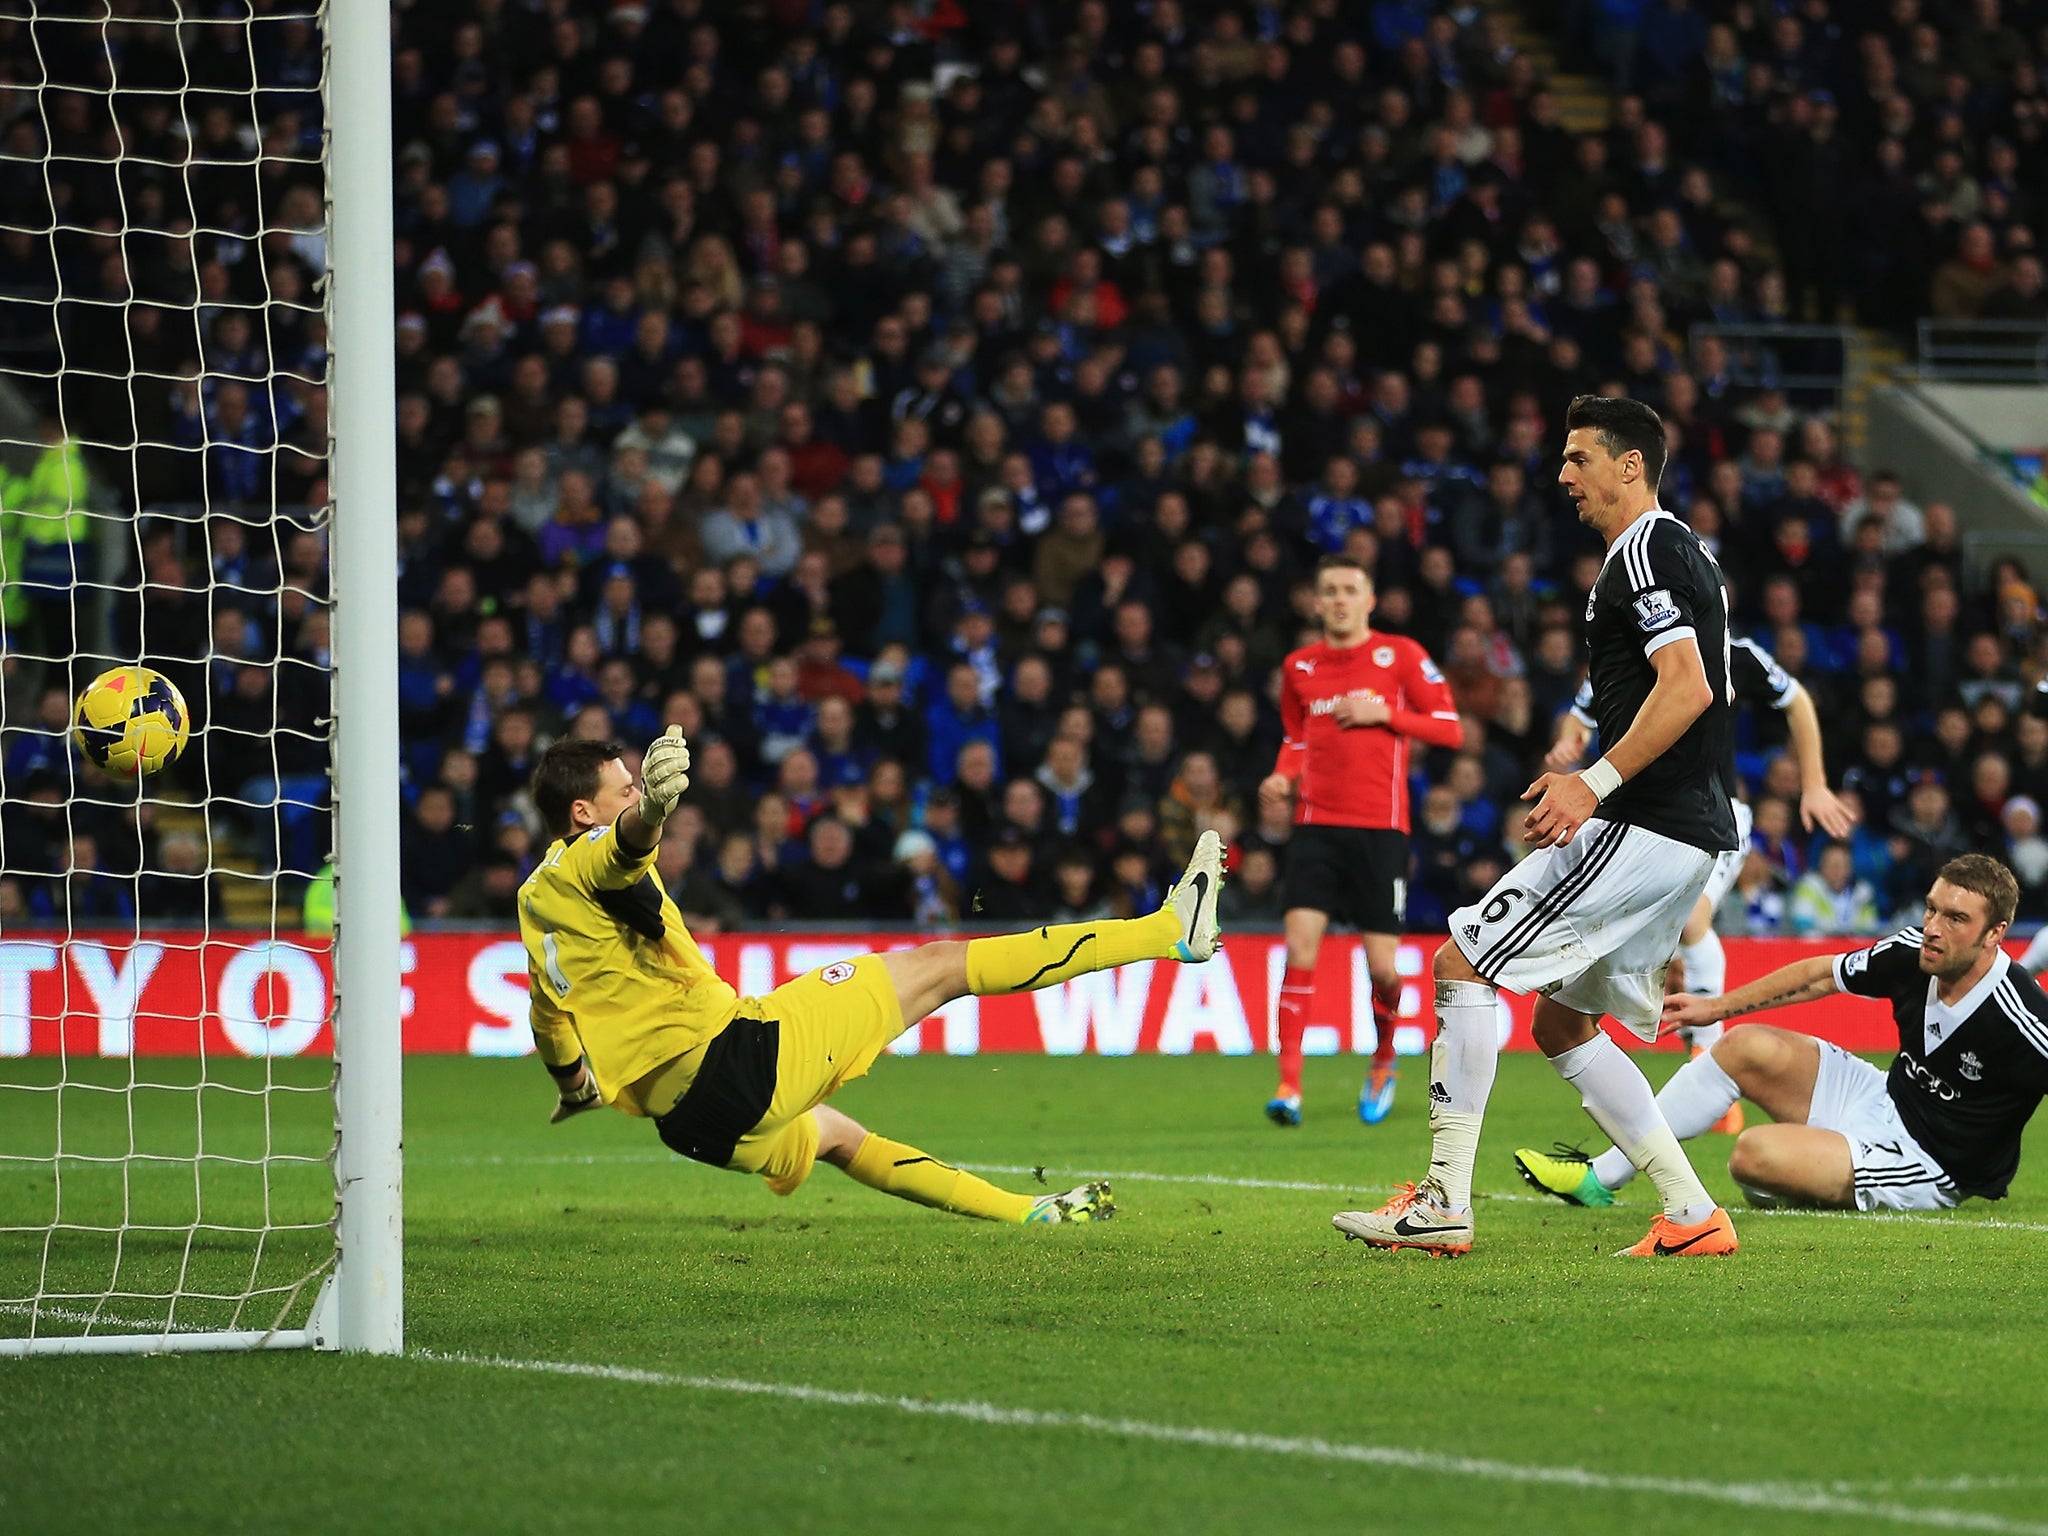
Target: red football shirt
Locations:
point(1357, 776)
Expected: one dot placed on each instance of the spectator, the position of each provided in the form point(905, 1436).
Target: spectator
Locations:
point(956, 719)
point(2026, 850)
point(831, 885)
point(1009, 893)
point(1076, 898)
point(747, 526)
point(1197, 801)
point(1828, 901)
point(848, 355)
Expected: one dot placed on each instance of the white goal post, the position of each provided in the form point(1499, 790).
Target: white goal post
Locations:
point(369, 1274)
point(213, 1204)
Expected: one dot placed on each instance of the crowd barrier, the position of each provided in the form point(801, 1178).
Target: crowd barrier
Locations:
point(172, 994)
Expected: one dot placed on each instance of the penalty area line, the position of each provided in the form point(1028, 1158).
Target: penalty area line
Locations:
point(1778, 1497)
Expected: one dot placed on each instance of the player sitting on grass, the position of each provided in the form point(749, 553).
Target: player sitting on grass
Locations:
point(627, 1011)
point(1943, 1124)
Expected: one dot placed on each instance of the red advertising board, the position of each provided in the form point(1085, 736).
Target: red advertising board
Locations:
point(170, 994)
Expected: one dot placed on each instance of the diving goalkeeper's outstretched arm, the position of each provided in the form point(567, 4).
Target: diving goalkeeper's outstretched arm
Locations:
point(637, 813)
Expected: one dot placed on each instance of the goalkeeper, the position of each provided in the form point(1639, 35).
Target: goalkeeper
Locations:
point(627, 1011)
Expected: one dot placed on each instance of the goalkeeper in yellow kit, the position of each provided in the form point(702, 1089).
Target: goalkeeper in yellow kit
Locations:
point(627, 1011)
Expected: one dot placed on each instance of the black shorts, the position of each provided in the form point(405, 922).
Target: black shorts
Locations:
point(733, 1088)
point(1357, 875)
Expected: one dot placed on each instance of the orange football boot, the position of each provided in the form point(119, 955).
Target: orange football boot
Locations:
point(1666, 1239)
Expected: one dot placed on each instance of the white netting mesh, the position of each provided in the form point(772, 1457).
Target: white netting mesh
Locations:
point(167, 1129)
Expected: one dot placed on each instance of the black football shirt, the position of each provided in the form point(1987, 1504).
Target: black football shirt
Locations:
point(1965, 1084)
point(1658, 586)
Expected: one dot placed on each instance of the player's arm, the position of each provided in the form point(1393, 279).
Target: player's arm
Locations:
point(614, 857)
point(1575, 729)
point(1759, 681)
point(561, 1052)
point(2035, 960)
point(547, 986)
point(1878, 971)
point(1680, 695)
point(1818, 805)
point(1433, 720)
point(1277, 788)
point(1803, 981)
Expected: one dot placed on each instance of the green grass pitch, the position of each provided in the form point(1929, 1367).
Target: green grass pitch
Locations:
point(1215, 1359)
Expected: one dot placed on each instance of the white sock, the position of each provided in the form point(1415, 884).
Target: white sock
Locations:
point(1706, 966)
point(1706, 975)
point(1613, 1168)
point(1698, 1094)
point(1617, 1096)
point(1461, 1068)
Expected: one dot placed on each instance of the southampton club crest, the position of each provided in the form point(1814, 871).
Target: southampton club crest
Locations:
point(1970, 1066)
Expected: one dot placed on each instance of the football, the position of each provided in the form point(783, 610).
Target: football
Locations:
point(131, 721)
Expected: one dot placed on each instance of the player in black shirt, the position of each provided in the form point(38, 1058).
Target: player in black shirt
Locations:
point(1702, 964)
point(1944, 1123)
point(1623, 850)
point(1663, 587)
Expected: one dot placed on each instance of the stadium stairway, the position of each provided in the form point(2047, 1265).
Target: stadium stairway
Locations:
point(1882, 360)
point(245, 897)
point(1584, 104)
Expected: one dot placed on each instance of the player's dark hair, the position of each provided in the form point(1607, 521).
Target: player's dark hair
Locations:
point(1984, 875)
point(1344, 563)
point(567, 772)
point(1623, 425)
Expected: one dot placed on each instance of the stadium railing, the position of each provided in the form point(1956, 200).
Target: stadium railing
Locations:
point(1982, 351)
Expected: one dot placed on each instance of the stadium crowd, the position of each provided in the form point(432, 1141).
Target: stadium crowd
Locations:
point(938, 410)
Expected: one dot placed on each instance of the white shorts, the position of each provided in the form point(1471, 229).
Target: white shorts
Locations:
point(1729, 865)
point(1893, 1171)
point(1593, 924)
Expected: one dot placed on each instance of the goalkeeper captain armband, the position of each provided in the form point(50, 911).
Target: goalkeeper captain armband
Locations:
point(1603, 778)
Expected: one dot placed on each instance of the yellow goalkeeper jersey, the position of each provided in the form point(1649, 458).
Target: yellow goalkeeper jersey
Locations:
point(613, 972)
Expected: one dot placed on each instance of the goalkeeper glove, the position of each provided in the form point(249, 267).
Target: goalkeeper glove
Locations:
point(577, 1087)
point(664, 775)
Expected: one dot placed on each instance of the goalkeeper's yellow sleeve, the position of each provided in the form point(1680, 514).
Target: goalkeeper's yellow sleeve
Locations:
point(612, 970)
point(598, 861)
point(553, 1035)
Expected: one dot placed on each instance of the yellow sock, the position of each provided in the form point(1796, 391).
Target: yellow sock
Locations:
point(1024, 962)
point(909, 1174)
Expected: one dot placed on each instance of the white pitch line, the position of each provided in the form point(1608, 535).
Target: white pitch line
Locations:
point(1225, 1181)
point(1213, 1179)
point(1967, 1483)
point(541, 1159)
point(1348, 1189)
point(1908, 1218)
point(1779, 1497)
point(72, 1315)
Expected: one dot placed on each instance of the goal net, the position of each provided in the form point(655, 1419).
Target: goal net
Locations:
point(176, 1133)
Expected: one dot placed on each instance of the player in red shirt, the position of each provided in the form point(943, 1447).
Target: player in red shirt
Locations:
point(1352, 705)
